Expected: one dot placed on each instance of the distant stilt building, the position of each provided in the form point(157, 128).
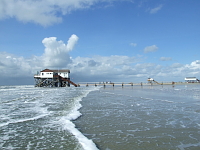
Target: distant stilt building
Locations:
point(150, 80)
point(192, 80)
point(53, 78)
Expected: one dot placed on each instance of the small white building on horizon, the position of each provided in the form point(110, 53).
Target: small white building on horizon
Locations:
point(191, 80)
point(150, 79)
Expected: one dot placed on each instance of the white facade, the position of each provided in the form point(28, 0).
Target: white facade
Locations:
point(150, 79)
point(46, 74)
point(64, 74)
point(50, 73)
point(191, 79)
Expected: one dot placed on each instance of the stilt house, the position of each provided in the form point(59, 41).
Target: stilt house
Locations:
point(191, 80)
point(53, 78)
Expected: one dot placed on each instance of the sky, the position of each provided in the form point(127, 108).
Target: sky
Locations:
point(100, 40)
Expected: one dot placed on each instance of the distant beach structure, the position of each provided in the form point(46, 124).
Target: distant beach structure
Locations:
point(53, 78)
point(191, 80)
point(151, 80)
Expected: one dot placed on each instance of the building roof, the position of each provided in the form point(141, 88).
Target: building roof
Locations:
point(56, 71)
point(64, 70)
point(46, 70)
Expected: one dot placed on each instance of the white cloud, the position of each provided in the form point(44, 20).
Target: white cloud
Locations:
point(165, 58)
point(177, 65)
point(43, 12)
point(57, 52)
point(195, 65)
point(197, 62)
point(56, 55)
point(15, 66)
point(178, 70)
point(152, 48)
point(156, 9)
point(102, 64)
point(40, 12)
point(133, 44)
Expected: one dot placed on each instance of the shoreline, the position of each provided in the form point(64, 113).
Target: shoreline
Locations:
point(133, 84)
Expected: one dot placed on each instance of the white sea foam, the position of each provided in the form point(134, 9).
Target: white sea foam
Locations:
point(86, 143)
point(36, 104)
point(74, 114)
point(177, 89)
point(167, 101)
point(184, 146)
point(23, 120)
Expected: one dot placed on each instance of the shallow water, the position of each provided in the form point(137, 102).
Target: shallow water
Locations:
point(40, 118)
point(110, 118)
point(148, 117)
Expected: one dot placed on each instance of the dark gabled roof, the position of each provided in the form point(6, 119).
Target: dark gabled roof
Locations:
point(46, 70)
point(65, 70)
point(56, 71)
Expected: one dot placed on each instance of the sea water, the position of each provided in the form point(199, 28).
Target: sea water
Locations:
point(41, 118)
point(142, 117)
point(106, 118)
